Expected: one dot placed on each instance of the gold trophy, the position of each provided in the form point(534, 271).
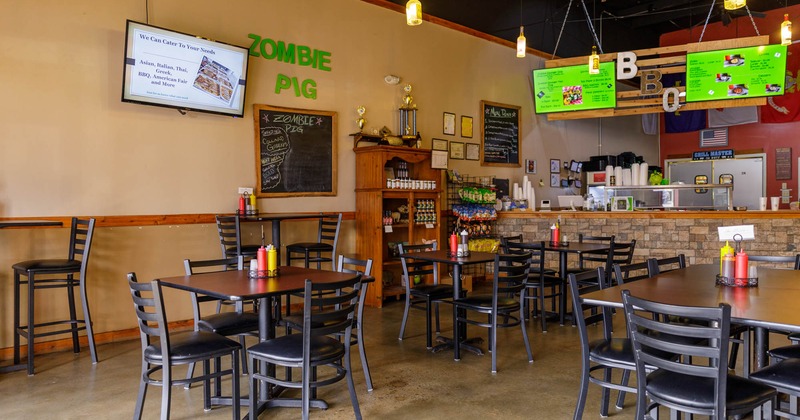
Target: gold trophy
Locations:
point(361, 120)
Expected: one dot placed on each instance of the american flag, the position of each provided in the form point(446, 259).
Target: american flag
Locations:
point(714, 137)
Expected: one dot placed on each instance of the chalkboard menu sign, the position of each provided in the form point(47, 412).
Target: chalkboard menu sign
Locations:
point(499, 134)
point(295, 152)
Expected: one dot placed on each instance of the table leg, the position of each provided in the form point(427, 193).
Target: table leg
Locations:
point(562, 271)
point(276, 238)
point(761, 345)
point(466, 344)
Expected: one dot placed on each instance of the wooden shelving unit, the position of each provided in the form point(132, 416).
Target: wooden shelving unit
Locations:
point(373, 199)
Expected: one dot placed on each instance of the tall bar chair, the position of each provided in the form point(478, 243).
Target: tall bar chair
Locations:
point(323, 250)
point(57, 274)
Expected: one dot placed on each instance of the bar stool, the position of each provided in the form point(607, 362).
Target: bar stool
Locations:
point(80, 242)
point(327, 239)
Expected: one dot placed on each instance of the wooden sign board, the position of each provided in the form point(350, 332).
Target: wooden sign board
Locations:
point(664, 60)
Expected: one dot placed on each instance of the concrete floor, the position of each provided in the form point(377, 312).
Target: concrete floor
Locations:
point(410, 382)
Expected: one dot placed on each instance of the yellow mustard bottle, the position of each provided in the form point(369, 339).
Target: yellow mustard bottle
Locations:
point(725, 250)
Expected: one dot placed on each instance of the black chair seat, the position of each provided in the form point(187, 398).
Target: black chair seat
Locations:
point(614, 352)
point(699, 392)
point(784, 375)
point(484, 302)
point(289, 349)
point(49, 266)
point(244, 249)
point(189, 346)
point(432, 290)
point(311, 246)
point(785, 352)
point(229, 323)
point(794, 337)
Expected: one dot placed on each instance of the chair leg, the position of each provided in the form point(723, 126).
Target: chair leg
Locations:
point(428, 310)
point(363, 354)
point(137, 412)
point(253, 388)
point(30, 329)
point(605, 393)
point(405, 318)
point(207, 385)
point(626, 374)
point(73, 316)
point(189, 374)
point(543, 314)
point(438, 328)
point(584, 390)
point(87, 320)
point(350, 384)
point(525, 335)
point(16, 316)
point(244, 355)
point(166, 390)
point(235, 384)
point(493, 341)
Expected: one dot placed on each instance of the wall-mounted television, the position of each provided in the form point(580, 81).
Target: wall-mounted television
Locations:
point(572, 88)
point(736, 73)
point(178, 70)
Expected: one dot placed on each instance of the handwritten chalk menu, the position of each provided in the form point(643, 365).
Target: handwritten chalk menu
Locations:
point(295, 152)
point(736, 73)
point(499, 134)
point(572, 88)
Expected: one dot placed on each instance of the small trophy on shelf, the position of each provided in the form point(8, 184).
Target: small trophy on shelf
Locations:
point(361, 120)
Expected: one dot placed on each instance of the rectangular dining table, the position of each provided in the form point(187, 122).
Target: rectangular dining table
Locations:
point(277, 218)
point(444, 257)
point(237, 285)
point(564, 250)
point(768, 306)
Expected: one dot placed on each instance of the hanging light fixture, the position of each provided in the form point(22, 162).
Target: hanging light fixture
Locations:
point(734, 4)
point(786, 30)
point(594, 61)
point(413, 12)
point(521, 44)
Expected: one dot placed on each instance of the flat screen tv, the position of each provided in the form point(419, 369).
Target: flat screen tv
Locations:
point(572, 88)
point(736, 73)
point(178, 70)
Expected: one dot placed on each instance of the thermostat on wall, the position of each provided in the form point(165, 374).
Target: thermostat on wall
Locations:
point(544, 205)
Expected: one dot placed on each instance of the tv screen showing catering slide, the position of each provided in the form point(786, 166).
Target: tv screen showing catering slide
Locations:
point(177, 70)
point(572, 88)
point(736, 73)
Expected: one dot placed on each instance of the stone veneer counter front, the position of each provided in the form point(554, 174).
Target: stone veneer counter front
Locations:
point(662, 233)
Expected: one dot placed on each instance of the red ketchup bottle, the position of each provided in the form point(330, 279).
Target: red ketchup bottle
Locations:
point(740, 272)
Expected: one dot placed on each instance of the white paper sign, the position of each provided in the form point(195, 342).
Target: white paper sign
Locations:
point(387, 229)
point(726, 233)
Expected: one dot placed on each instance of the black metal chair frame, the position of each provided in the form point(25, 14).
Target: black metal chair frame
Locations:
point(311, 349)
point(540, 281)
point(507, 299)
point(327, 242)
point(706, 339)
point(77, 262)
point(230, 238)
point(429, 295)
point(162, 350)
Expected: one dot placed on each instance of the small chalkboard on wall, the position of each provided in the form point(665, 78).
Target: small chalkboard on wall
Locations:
point(500, 134)
point(295, 152)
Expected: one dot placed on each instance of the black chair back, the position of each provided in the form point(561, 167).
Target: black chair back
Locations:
point(149, 307)
point(625, 273)
point(413, 268)
point(663, 265)
point(793, 260)
point(80, 241)
point(580, 284)
point(230, 237)
point(536, 251)
point(702, 343)
point(510, 275)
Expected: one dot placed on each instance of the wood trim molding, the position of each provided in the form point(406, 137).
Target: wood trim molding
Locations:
point(148, 220)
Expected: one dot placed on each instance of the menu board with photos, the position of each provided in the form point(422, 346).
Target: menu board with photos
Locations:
point(572, 88)
point(736, 73)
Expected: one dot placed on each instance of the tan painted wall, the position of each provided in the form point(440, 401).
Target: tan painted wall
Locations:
point(70, 147)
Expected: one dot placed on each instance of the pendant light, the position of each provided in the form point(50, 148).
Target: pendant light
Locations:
point(594, 61)
point(521, 44)
point(786, 30)
point(413, 12)
point(734, 4)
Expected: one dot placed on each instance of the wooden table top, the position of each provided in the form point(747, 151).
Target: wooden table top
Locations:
point(237, 284)
point(443, 256)
point(264, 217)
point(771, 304)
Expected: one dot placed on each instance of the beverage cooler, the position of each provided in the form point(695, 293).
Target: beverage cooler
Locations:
point(594, 185)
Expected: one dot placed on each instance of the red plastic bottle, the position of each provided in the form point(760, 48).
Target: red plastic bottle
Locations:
point(242, 206)
point(740, 270)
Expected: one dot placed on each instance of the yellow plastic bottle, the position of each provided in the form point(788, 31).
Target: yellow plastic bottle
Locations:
point(725, 250)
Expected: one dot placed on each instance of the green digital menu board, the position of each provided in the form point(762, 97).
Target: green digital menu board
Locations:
point(572, 88)
point(736, 73)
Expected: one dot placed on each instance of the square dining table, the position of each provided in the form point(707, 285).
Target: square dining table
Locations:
point(277, 218)
point(768, 306)
point(564, 249)
point(237, 285)
point(444, 257)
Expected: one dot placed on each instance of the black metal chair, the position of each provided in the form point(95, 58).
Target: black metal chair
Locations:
point(56, 274)
point(782, 260)
point(427, 294)
point(312, 252)
point(594, 259)
point(541, 285)
point(237, 322)
point(161, 351)
point(667, 264)
point(506, 302)
point(699, 383)
point(606, 353)
point(784, 376)
point(626, 273)
point(312, 349)
point(354, 266)
point(230, 238)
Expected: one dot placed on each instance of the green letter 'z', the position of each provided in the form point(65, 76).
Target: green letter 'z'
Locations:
point(254, 46)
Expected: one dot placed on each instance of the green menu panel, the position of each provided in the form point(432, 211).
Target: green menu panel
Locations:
point(572, 88)
point(736, 73)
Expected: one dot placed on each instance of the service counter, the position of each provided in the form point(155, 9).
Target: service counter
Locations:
point(662, 233)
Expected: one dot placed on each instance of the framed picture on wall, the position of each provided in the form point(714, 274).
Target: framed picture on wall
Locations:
point(449, 125)
point(456, 150)
point(555, 180)
point(466, 126)
point(530, 166)
point(555, 166)
point(473, 151)
point(439, 144)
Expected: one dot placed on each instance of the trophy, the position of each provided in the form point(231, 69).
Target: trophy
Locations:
point(408, 115)
point(361, 120)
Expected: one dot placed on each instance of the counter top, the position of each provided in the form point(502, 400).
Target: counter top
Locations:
point(650, 214)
